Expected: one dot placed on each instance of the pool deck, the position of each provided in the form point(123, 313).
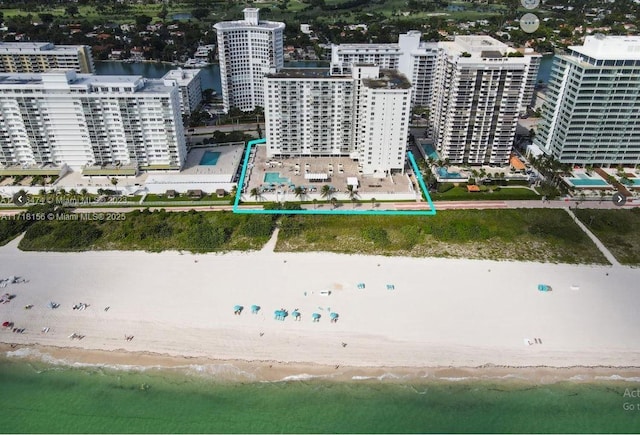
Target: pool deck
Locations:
point(294, 169)
point(228, 161)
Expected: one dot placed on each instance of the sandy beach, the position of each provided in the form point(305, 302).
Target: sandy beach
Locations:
point(448, 314)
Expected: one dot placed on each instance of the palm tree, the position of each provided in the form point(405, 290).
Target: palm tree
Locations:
point(326, 192)
point(315, 203)
point(373, 203)
point(255, 193)
point(73, 193)
point(234, 191)
point(299, 192)
point(334, 202)
point(83, 192)
point(352, 192)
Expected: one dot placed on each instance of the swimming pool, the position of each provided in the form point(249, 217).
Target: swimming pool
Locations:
point(632, 182)
point(582, 182)
point(209, 158)
point(429, 151)
point(443, 173)
point(274, 177)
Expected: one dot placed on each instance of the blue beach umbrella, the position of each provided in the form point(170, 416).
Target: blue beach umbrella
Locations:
point(334, 315)
point(255, 309)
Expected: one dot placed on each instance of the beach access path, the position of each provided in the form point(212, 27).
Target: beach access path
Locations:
point(441, 312)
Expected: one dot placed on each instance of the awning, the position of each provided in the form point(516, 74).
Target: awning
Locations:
point(316, 177)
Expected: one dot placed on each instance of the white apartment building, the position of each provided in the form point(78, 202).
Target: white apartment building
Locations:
point(37, 57)
point(478, 93)
point(364, 115)
point(382, 121)
point(591, 115)
point(410, 56)
point(247, 50)
point(417, 62)
point(189, 83)
point(309, 112)
point(61, 117)
point(345, 56)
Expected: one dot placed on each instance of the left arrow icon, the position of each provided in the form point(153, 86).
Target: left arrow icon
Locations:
point(20, 198)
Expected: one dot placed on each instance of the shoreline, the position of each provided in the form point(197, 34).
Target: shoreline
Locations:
point(441, 313)
point(222, 370)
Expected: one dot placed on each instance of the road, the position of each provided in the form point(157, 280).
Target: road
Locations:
point(224, 128)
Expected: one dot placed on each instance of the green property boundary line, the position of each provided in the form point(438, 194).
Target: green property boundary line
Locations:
point(416, 171)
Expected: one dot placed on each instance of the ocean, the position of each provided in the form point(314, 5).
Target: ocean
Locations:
point(38, 397)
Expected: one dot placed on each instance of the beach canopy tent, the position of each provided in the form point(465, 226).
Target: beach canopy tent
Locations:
point(316, 177)
point(352, 181)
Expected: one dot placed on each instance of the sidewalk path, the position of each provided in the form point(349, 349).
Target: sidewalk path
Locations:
point(592, 236)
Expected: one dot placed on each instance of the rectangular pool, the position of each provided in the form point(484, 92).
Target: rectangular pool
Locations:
point(429, 151)
point(209, 158)
point(583, 182)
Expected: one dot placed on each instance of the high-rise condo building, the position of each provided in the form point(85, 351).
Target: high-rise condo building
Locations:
point(478, 92)
point(188, 81)
point(364, 115)
point(37, 57)
point(592, 112)
point(345, 56)
point(417, 62)
point(410, 56)
point(247, 50)
point(61, 117)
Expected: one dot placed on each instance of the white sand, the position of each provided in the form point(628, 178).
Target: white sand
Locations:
point(443, 312)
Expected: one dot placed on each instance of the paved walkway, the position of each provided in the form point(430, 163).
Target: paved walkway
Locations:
point(593, 237)
point(271, 244)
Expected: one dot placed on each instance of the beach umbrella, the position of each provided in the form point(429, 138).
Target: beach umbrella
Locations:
point(255, 309)
point(295, 313)
point(334, 315)
point(237, 309)
point(316, 316)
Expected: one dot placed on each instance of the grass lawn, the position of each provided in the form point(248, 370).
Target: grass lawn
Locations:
point(89, 12)
point(460, 193)
point(618, 229)
point(153, 231)
point(526, 235)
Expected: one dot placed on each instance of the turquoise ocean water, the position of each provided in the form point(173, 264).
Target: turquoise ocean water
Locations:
point(37, 397)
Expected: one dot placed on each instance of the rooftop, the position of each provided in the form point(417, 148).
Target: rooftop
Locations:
point(35, 47)
point(302, 73)
point(71, 80)
point(390, 79)
point(609, 47)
